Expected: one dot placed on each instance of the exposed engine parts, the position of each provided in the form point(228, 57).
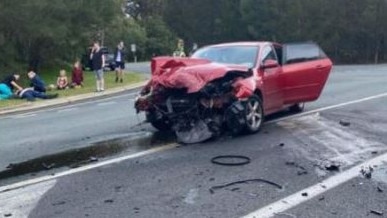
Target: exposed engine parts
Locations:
point(196, 117)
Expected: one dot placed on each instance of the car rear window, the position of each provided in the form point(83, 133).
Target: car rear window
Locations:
point(301, 52)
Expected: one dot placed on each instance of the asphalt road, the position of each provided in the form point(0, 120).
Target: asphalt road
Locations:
point(291, 152)
point(30, 135)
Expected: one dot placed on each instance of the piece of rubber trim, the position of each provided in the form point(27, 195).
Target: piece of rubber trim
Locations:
point(244, 160)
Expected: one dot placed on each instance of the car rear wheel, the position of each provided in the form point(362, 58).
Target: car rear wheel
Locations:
point(297, 108)
point(254, 114)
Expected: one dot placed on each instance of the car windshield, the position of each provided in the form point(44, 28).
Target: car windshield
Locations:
point(239, 55)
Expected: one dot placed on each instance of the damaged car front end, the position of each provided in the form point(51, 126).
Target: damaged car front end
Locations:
point(198, 99)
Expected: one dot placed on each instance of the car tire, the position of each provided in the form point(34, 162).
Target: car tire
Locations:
point(297, 108)
point(254, 114)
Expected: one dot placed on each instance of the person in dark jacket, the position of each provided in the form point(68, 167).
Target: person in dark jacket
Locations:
point(30, 94)
point(119, 58)
point(8, 84)
point(98, 62)
point(36, 82)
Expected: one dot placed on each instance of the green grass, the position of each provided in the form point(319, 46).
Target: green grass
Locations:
point(89, 85)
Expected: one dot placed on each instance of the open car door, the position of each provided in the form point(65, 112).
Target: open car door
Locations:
point(305, 71)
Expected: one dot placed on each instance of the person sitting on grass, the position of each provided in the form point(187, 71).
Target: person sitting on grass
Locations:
point(77, 75)
point(7, 86)
point(36, 82)
point(62, 82)
point(30, 94)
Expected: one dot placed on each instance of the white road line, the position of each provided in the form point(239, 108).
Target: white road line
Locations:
point(67, 110)
point(106, 103)
point(84, 168)
point(21, 116)
point(130, 96)
point(295, 199)
point(382, 95)
point(21, 202)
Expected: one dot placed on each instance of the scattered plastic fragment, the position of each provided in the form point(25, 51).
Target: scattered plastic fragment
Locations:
point(344, 123)
point(213, 188)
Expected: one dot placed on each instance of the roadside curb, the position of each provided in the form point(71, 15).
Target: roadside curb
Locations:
point(68, 100)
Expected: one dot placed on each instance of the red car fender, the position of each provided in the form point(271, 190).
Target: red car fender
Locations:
point(245, 88)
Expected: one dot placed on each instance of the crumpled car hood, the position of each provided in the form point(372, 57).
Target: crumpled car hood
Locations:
point(192, 74)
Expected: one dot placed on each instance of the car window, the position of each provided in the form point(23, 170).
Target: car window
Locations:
point(239, 55)
point(268, 53)
point(295, 53)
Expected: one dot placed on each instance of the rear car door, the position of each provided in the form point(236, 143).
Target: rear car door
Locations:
point(305, 71)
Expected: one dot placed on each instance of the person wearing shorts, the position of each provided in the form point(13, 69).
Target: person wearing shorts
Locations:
point(97, 62)
point(119, 58)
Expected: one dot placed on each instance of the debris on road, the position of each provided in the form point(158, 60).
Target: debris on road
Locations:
point(329, 165)
point(59, 203)
point(377, 212)
point(281, 144)
point(321, 198)
point(344, 123)
point(48, 166)
point(304, 194)
point(219, 160)
point(8, 215)
point(109, 201)
point(367, 172)
point(301, 170)
point(213, 188)
point(380, 189)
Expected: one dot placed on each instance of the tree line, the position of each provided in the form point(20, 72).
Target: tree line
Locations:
point(45, 33)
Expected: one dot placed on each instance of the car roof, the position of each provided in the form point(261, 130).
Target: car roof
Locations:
point(246, 43)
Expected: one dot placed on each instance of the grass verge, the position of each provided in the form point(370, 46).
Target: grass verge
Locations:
point(89, 86)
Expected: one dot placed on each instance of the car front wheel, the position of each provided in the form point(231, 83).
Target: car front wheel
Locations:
point(254, 114)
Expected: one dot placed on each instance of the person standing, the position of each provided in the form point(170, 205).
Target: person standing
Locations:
point(119, 58)
point(7, 86)
point(98, 62)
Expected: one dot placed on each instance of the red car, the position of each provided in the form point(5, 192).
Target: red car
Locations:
point(231, 86)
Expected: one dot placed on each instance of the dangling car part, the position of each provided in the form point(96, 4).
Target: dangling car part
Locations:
point(231, 86)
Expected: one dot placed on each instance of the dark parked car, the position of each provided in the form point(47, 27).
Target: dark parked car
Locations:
point(110, 64)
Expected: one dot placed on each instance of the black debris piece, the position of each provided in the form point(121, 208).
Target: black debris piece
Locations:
point(213, 188)
point(59, 203)
point(377, 212)
point(305, 194)
point(367, 172)
point(321, 198)
point(329, 165)
point(374, 152)
point(136, 208)
point(8, 215)
point(93, 159)
point(301, 170)
point(212, 179)
point(230, 160)
point(344, 123)
point(281, 144)
point(48, 166)
point(109, 201)
point(380, 189)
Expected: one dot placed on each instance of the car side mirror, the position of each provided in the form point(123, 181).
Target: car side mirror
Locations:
point(269, 64)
